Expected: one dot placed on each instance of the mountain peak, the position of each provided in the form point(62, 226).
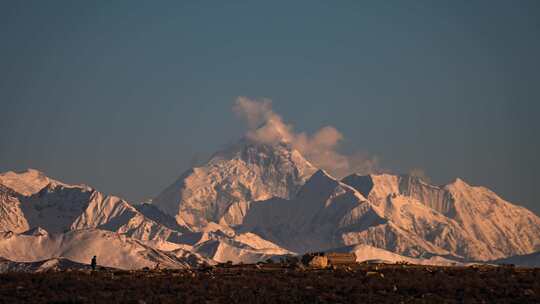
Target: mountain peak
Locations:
point(34, 171)
point(322, 184)
point(244, 172)
point(250, 150)
point(459, 182)
point(26, 183)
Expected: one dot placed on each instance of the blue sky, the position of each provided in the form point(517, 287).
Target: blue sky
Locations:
point(126, 95)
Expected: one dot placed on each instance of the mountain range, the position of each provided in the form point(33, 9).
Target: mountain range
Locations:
point(252, 202)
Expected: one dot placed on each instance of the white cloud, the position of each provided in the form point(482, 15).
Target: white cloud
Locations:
point(321, 148)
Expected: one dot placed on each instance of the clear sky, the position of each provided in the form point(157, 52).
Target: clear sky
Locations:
point(126, 95)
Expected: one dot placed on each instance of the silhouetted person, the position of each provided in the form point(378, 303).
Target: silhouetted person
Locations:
point(94, 263)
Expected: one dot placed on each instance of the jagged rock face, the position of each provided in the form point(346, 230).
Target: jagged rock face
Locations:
point(244, 173)
point(252, 202)
point(507, 228)
point(413, 229)
point(474, 222)
point(432, 196)
point(114, 214)
point(377, 187)
point(327, 214)
point(401, 214)
point(11, 216)
point(311, 220)
point(58, 207)
point(55, 207)
point(34, 200)
point(44, 216)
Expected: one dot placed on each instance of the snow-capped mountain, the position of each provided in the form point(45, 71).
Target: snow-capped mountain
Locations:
point(63, 209)
point(255, 201)
point(59, 207)
point(327, 213)
point(401, 214)
point(480, 224)
point(310, 221)
point(243, 173)
point(26, 183)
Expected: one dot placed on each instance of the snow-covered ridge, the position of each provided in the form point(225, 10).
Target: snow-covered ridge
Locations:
point(366, 253)
point(400, 213)
point(328, 213)
point(29, 182)
point(25, 183)
point(112, 249)
point(59, 209)
point(478, 224)
point(252, 201)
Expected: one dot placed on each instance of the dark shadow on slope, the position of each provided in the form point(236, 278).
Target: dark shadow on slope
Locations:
point(153, 212)
point(362, 183)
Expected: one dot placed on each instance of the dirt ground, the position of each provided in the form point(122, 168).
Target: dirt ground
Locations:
point(278, 284)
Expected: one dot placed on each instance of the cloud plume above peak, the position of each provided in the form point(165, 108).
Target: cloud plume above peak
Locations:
point(321, 148)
